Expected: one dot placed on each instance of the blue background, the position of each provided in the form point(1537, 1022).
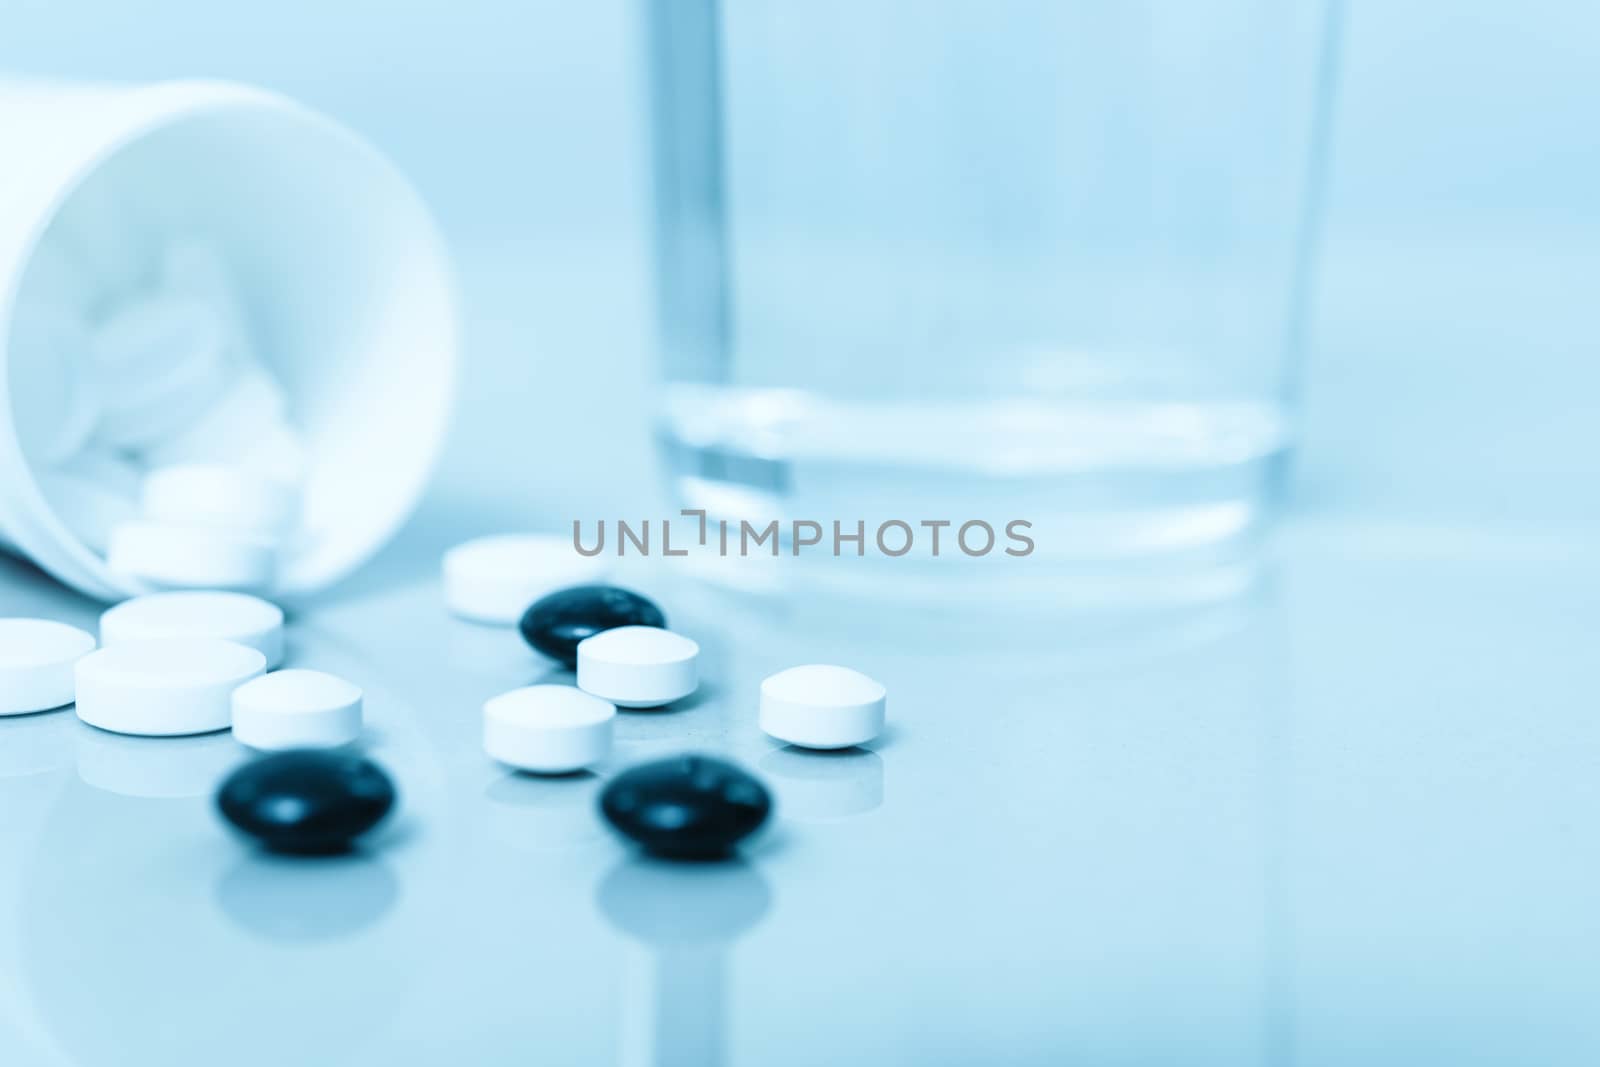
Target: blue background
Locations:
point(1346, 820)
point(1454, 356)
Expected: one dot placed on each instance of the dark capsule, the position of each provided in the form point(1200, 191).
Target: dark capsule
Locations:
point(556, 623)
point(686, 807)
point(307, 801)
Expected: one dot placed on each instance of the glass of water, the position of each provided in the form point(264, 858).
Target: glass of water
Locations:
point(1027, 260)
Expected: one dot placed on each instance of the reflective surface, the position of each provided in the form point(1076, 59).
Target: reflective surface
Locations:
point(1345, 817)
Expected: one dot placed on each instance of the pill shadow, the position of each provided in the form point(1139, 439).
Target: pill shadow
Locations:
point(25, 716)
point(582, 774)
point(705, 694)
point(527, 789)
point(886, 739)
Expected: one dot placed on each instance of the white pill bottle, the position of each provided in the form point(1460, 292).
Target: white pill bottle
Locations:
point(339, 269)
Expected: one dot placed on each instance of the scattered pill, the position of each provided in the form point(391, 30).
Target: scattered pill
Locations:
point(822, 706)
point(556, 623)
point(548, 729)
point(175, 685)
point(218, 494)
point(191, 557)
point(686, 807)
point(638, 666)
point(297, 709)
point(494, 579)
point(36, 664)
point(237, 617)
point(307, 801)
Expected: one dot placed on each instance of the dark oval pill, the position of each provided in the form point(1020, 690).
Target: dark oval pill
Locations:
point(556, 623)
point(686, 807)
point(307, 801)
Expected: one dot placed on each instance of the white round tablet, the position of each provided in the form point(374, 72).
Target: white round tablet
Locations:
point(36, 660)
point(191, 557)
point(297, 709)
point(638, 666)
point(238, 617)
point(176, 685)
point(548, 729)
point(219, 494)
point(822, 706)
point(494, 579)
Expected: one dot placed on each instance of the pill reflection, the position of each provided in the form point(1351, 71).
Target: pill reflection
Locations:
point(680, 919)
point(34, 744)
point(130, 951)
point(289, 900)
point(824, 786)
point(534, 813)
point(156, 767)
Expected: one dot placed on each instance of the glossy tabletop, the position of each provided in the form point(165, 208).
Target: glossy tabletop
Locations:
point(1346, 817)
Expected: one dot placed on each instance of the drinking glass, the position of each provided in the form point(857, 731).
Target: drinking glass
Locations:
point(1042, 260)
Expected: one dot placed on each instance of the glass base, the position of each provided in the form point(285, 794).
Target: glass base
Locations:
point(1104, 502)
